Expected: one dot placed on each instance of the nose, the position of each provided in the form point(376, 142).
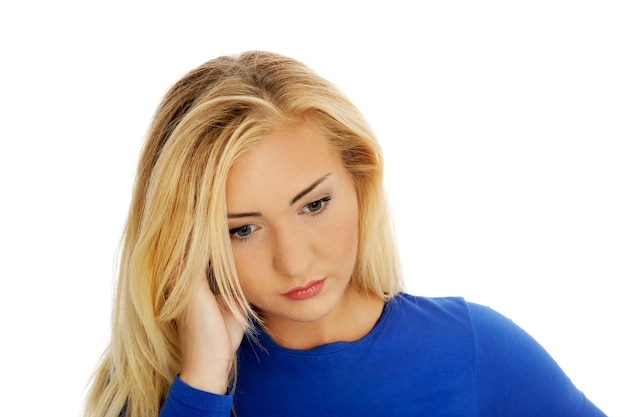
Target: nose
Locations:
point(292, 252)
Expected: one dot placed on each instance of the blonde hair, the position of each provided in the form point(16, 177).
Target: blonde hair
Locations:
point(177, 224)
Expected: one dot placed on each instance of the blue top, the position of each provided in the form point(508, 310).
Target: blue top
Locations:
point(424, 357)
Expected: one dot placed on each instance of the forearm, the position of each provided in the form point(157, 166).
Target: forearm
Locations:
point(184, 400)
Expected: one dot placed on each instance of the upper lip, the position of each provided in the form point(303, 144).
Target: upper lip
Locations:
point(304, 287)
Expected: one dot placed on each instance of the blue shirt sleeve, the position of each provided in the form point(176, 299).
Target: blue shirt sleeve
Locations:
point(184, 400)
point(515, 375)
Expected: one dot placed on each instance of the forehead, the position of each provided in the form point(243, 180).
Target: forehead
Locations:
point(282, 162)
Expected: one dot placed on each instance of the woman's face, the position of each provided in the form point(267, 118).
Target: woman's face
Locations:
point(293, 221)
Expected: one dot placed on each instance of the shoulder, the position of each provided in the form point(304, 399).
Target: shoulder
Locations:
point(425, 310)
point(426, 305)
point(493, 335)
point(499, 346)
point(443, 321)
point(512, 371)
point(483, 320)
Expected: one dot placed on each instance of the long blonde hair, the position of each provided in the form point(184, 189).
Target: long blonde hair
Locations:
point(177, 224)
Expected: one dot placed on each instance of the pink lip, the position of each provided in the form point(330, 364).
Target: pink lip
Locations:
point(310, 290)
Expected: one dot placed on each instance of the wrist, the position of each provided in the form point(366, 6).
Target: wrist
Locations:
point(205, 382)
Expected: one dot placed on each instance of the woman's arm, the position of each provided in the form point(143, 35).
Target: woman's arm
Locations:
point(517, 377)
point(209, 338)
point(184, 400)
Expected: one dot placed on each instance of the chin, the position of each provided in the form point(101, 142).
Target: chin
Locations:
point(304, 311)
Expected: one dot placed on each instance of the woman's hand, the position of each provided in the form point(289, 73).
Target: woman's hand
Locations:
point(209, 339)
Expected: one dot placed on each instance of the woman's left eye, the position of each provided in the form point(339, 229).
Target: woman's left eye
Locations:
point(316, 206)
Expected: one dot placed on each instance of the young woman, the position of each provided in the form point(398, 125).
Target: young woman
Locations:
point(259, 273)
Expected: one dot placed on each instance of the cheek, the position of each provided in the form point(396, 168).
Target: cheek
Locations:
point(342, 237)
point(247, 266)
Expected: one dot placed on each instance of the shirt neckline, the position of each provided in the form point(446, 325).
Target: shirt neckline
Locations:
point(267, 343)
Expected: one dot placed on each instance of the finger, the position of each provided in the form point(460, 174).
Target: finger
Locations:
point(232, 321)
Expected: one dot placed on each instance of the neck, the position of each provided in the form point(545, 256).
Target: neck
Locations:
point(352, 319)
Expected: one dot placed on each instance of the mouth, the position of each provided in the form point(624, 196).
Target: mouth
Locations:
point(310, 290)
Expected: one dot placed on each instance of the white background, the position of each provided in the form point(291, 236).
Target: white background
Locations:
point(503, 126)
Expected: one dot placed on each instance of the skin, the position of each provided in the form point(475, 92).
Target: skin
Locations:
point(293, 220)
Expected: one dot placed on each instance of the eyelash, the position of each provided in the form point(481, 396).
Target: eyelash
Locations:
point(324, 201)
point(233, 232)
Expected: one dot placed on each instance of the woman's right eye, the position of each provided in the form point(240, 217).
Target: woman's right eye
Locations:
point(242, 232)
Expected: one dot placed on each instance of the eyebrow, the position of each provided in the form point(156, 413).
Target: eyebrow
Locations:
point(291, 202)
point(308, 189)
point(239, 215)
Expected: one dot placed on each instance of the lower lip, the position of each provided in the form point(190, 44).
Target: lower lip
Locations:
point(309, 291)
